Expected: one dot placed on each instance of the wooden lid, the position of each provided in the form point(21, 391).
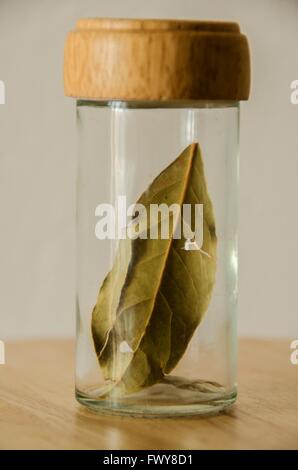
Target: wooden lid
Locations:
point(126, 59)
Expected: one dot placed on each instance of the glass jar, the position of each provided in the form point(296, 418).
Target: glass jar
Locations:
point(156, 221)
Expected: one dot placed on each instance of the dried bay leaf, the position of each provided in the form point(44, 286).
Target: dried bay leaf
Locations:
point(155, 296)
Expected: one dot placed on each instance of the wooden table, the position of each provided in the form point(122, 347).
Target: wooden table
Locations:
point(38, 409)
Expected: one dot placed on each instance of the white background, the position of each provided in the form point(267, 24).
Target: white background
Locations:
point(37, 162)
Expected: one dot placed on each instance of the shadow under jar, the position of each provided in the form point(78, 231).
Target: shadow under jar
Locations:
point(157, 121)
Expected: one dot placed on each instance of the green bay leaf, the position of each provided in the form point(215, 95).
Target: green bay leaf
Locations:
point(157, 292)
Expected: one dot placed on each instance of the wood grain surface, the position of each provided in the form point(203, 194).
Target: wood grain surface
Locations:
point(38, 409)
point(156, 60)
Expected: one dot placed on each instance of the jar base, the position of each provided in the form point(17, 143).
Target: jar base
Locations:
point(173, 398)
